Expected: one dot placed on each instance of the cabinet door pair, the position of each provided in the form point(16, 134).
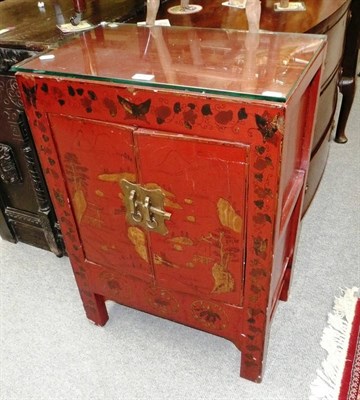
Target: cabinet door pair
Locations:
point(162, 207)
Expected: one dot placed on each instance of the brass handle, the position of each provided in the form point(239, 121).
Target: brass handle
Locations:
point(145, 207)
point(134, 212)
point(151, 222)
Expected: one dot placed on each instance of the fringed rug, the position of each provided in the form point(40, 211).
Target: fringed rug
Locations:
point(339, 377)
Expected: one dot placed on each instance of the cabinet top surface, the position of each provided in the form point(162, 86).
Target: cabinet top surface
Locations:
point(235, 63)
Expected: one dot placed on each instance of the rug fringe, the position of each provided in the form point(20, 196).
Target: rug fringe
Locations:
point(335, 341)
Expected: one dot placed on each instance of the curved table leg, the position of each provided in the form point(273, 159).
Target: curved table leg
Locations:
point(347, 88)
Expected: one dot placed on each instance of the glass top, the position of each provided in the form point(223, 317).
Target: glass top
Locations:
point(235, 63)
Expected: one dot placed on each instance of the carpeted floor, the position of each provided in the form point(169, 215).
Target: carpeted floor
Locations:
point(49, 350)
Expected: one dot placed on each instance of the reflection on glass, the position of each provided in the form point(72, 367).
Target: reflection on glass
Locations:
point(185, 8)
point(253, 12)
point(258, 65)
point(152, 7)
point(58, 13)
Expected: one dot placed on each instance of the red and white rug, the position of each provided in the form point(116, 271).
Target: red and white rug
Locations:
point(339, 376)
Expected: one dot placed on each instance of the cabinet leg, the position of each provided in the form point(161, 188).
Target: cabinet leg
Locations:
point(284, 293)
point(95, 308)
point(347, 88)
point(251, 368)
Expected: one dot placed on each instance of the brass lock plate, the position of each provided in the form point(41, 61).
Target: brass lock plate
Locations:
point(145, 207)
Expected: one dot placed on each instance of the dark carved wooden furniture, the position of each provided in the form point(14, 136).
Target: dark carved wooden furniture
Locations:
point(321, 16)
point(26, 212)
point(347, 82)
point(178, 176)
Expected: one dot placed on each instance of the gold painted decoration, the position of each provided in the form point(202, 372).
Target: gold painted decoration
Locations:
point(118, 177)
point(171, 204)
point(162, 301)
point(228, 216)
point(168, 195)
point(99, 193)
point(76, 173)
point(93, 215)
point(158, 260)
point(137, 238)
point(224, 281)
point(180, 241)
point(190, 218)
point(188, 201)
point(197, 258)
point(209, 314)
point(80, 204)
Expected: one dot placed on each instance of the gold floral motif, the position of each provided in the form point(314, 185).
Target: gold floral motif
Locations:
point(228, 216)
point(209, 314)
point(190, 218)
point(162, 301)
point(137, 238)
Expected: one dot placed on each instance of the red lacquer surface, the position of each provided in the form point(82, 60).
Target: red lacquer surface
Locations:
point(231, 172)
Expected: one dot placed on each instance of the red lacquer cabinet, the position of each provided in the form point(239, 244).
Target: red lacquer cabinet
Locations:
point(176, 160)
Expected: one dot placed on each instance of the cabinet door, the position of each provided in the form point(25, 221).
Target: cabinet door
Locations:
point(95, 157)
point(205, 185)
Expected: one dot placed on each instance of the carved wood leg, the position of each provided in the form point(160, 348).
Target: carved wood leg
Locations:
point(347, 88)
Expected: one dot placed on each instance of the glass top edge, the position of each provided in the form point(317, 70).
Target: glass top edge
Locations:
point(157, 86)
point(165, 39)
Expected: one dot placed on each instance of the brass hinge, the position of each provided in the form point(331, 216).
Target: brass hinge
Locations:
point(145, 207)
